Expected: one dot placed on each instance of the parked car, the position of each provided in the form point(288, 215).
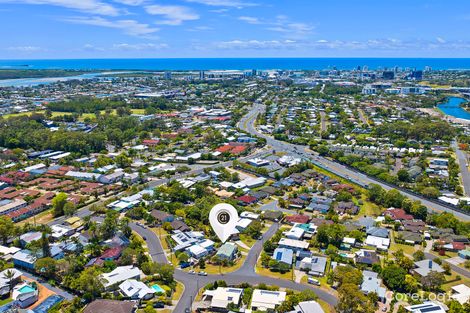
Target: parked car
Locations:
point(313, 281)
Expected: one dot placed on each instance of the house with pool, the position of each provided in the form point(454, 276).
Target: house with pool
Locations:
point(25, 294)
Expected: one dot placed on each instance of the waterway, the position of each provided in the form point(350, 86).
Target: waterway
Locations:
point(452, 107)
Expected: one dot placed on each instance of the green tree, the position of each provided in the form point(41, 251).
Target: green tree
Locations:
point(394, 277)
point(46, 266)
point(418, 255)
point(7, 228)
point(58, 204)
point(352, 300)
point(433, 281)
point(183, 257)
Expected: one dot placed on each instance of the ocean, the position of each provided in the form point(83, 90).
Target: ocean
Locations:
point(237, 63)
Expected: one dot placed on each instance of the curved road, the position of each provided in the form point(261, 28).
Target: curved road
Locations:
point(246, 273)
point(247, 124)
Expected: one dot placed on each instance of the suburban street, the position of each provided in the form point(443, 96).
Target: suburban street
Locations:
point(247, 124)
point(246, 273)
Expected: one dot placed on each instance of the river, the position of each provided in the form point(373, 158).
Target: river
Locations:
point(452, 107)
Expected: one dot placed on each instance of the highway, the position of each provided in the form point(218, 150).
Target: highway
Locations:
point(462, 161)
point(247, 125)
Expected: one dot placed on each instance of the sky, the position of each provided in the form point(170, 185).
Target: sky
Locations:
point(57, 29)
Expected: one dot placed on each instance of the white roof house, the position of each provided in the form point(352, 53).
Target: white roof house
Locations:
point(461, 293)
point(250, 215)
point(221, 297)
point(120, 274)
point(7, 252)
point(295, 233)
point(135, 289)
point(428, 306)
point(197, 251)
point(308, 307)
point(5, 281)
point(262, 300)
point(293, 244)
point(243, 223)
point(378, 242)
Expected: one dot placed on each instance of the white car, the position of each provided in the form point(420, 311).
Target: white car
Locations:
point(313, 281)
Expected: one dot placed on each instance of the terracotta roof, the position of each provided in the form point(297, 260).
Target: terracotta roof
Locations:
point(297, 218)
point(247, 199)
point(110, 306)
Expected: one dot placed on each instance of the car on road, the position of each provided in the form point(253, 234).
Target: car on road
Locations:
point(202, 274)
point(313, 281)
point(187, 310)
point(192, 272)
point(144, 238)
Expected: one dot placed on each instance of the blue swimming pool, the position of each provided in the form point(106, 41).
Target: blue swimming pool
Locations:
point(157, 288)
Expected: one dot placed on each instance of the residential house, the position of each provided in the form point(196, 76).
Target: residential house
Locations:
point(110, 306)
point(308, 307)
point(274, 216)
point(6, 283)
point(378, 242)
point(314, 265)
point(297, 218)
point(371, 283)
point(424, 267)
point(247, 200)
point(221, 297)
point(346, 207)
point(367, 257)
point(398, 215)
point(461, 293)
point(118, 275)
point(24, 295)
point(136, 290)
point(426, 307)
point(378, 232)
point(228, 251)
point(24, 259)
point(409, 237)
point(283, 255)
point(162, 217)
point(293, 244)
point(415, 226)
point(263, 300)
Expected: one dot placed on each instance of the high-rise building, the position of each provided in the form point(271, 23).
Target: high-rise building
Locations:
point(167, 75)
point(416, 75)
point(389, 75)
point(202, 75)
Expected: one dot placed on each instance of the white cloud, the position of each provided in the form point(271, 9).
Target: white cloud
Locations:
point(139, 47)
point(254, 44)
point(224, 3)
point(131, 2)
point(383, 45)
point(440, 40)
point(89, 6)
point(293, 30)
point(25, 49)
point(90, 47)
point(250, 19)
point(200, 29)
point(173, 14)
point(130, 27)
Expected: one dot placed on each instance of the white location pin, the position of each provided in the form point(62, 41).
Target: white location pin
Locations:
point(223, 218)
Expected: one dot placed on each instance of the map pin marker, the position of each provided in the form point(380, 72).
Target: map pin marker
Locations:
point(223, 218)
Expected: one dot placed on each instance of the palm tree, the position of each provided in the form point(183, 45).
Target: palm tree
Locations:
point(10, 275)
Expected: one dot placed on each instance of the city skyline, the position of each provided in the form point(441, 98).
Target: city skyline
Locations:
point(231, 28)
